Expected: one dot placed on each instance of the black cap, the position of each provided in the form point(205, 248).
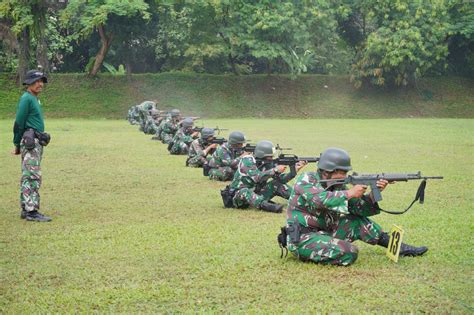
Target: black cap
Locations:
point(34, 75)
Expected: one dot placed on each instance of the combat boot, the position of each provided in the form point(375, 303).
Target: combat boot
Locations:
point(23, 214)
point(36, 216)
point(271, 207)
point(408, 250)
point(405, 249)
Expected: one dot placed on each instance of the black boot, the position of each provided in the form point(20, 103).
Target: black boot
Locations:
point(23, 214)
point(383, 240)
point(405, 249)
point(271, 207)
point(36, 216)
point(408, 250)
point(285, 194)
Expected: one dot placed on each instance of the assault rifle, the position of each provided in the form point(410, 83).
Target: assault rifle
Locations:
point(219, 141)
point(371, 180)
point(199, 129)
point(249, 148)
point(292, 159)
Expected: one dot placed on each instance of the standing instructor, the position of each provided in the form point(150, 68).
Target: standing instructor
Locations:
point(29, 138)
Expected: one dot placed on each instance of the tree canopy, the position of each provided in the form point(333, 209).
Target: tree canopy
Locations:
point(377, 42)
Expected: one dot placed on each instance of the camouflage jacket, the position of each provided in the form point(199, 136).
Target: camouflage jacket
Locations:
point(150, 125)
point(249, 175)
point(170, 127)
point(196, 153)
point(313, 206)
point(224, 156)
point(182, 136)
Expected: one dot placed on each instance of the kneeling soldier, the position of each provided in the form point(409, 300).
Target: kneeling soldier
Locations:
point(183, 138)
point(322, 221)
point(201, 148)
point(169, 128)
point(226, 158)
point(257, 180)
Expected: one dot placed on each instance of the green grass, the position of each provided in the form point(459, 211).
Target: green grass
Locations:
point(258, 96)
point(136, 231)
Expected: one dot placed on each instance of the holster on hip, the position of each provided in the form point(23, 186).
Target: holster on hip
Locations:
point(29, 137)
point(43, 138)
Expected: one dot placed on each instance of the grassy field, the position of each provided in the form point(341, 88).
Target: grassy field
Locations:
point(257, 96)
point(136, 231)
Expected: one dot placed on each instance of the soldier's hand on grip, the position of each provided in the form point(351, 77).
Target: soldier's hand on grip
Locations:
point(382, 183)
point(357, 191)
point(300, 165)
point(280, 168)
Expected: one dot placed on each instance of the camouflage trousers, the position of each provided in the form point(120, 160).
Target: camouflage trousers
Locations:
point(179, 148)
point(198, 161)
point(335, 247)
point(221, 173)
point(30, 182)
point(166, 137)
point(246, 197)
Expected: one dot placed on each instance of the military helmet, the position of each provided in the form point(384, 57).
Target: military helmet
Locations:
point(188, 122)
point(263, 149)
point(207, 132)
point(334, 159)
point(175, 112)
point(236, 137)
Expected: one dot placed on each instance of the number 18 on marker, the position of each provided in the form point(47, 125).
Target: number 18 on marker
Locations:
point(393, 249)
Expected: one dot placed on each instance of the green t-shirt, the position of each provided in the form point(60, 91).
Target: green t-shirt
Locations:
point(28, 115)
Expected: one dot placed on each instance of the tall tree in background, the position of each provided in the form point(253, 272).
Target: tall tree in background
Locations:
point(245, 36)
point(21, 18)
point(87, 16)
point(396, 41)
point(461, 39)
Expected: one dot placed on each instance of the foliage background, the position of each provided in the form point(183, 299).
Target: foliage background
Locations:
point(378, 42)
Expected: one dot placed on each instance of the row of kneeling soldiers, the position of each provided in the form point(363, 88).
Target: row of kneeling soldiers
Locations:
point(322, 222)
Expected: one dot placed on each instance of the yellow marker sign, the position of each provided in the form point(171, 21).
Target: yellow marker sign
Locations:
point(393, 249)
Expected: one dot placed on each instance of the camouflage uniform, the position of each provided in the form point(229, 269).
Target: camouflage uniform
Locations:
point(159, 129)
point(151, 126)
point(143, 112)
point(181, 141)
point(132, 117)
point(329, 221)
point(223, 163)
point(196, 156)
point(253, 187)
point(168, 130)
point(30, 182)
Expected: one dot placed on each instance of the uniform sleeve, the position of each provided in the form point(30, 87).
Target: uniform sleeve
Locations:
point(196, 153)
point(285, 177)
point(225, 157)
point(317, 198)
point(363, 206)
point(247, 167)
point(20, 120)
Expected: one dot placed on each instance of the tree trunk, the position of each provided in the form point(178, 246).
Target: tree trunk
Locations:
point(269, 67)
point(42, 48)
point(128, 60)
point(99, 59)
point(23, 55)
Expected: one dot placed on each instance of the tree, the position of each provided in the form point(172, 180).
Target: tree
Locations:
point(103, 16)
point(397, 41)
